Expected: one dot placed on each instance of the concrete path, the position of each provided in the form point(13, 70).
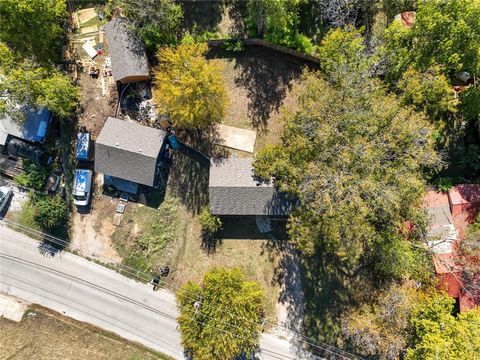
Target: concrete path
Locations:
point(92, 293)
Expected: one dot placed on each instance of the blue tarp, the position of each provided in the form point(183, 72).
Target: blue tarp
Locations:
point(83, 144)
point(121, 184)
point(37, 123)
point(81, 177)
point(172, 139)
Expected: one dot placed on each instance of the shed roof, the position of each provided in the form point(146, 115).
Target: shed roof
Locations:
point(34, 128)
point(128, 151)
point(127, 51)
point(234, 191)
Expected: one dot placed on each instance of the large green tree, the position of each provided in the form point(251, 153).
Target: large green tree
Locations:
point(355, 158)
point(33, 27)
point(156, 21)
point(438, 335)
point(469, 259)
point(32, 86)
point(188, 87)
point(220, 318)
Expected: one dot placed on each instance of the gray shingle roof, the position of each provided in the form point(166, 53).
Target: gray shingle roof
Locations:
point(128, 151)
point(127, 51)
point(234, 191)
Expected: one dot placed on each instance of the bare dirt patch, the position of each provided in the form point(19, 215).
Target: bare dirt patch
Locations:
point(92, 231)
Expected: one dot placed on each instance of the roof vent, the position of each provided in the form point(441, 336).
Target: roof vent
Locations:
point(117, 144)
point(140, 150)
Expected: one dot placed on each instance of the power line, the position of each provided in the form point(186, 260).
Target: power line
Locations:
point(122, 297)
point(146, 277)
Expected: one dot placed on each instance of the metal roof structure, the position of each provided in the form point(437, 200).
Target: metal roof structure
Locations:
point(34, 129)
point(128, 151)
point(127, 52)
point(233, 190)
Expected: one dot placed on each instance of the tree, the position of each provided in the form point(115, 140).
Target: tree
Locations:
point(220, 319)
point(33, 27)
point(156, 21)
point(438, 335)
point(277, 21)
point(382, 328)
point(188, 87)
point(355, 159)
point(49, 211)
point(31, 86)
point(469, 259)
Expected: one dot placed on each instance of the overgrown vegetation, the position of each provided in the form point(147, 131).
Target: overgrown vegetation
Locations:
point(224, 294)
point(211, 224)
point(33, 176)
point(143, 248)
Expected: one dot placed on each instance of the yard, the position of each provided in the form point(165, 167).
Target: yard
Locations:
point(45, 334)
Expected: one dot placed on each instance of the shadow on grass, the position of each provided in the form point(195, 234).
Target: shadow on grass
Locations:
point(266, 75)
point(200, 15)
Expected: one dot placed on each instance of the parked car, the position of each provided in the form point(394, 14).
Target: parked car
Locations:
point(19, 148)
point(5, 195)
point(84, 149)
point(82, 187)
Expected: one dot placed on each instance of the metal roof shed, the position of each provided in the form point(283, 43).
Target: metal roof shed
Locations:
point(234, 191)
point(128, 151)
point(127, 52)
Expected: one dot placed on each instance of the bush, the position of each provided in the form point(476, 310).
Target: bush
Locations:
point(49, 211)
point(34, 176)
point(211, 224)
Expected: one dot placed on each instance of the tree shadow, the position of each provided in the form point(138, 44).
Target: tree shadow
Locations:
point(200, 15)
point(266, 75)
point(189, 172)
point(210, 242)
point(237, 12)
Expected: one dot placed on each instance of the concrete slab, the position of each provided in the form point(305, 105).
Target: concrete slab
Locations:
point(11, 308)
point(236, 138)
point(85, 15)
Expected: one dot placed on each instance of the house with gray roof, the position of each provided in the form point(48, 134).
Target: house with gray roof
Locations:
point(233, 190)
point(33, 129)
point(129, 154)
point(127, 52)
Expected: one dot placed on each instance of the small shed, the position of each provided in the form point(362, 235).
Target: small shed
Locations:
point(34, 129)
point(233, 190)
point(129, 151)
point(127, 52)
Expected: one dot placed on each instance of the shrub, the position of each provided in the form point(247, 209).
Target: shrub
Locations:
point(34, 176)
point(50, 211)
point(211, 224)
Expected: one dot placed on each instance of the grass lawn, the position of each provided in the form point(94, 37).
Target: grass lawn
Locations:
point(49, 335)
point(173, 234)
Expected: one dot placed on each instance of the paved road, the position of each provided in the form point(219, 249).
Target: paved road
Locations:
point(92, 293)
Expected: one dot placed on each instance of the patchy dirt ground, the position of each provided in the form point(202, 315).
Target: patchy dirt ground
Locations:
point(259, 83)
point(92, 229)
point(45, 334)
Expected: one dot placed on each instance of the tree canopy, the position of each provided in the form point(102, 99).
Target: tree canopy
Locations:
point(33, 28)
point(220, 318)
point(188, 87)
point(438, 335)
point(156, 21)
point(355, 159)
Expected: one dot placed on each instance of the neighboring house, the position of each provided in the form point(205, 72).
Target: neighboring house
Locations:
point(450, 214)
point(127, 52)
point(129, 154)
point(233, 190)
point(33, 130)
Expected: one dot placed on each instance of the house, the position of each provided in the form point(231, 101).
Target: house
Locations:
point(129, 154)
point(446, 231)
point(127, 52)
point(233, 190)
point(33, 130)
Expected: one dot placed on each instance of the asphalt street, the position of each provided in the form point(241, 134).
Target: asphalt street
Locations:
point(89, 292)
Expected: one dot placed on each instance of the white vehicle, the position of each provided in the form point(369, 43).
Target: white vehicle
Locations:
point(5, 195)
point(82, 187)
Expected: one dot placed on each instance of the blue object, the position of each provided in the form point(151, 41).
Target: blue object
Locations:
point(83, 146)
point(80, 183)
point(121, 184)
point(172, 139)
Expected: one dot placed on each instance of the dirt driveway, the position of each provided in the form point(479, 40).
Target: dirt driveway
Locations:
point(92, 231)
